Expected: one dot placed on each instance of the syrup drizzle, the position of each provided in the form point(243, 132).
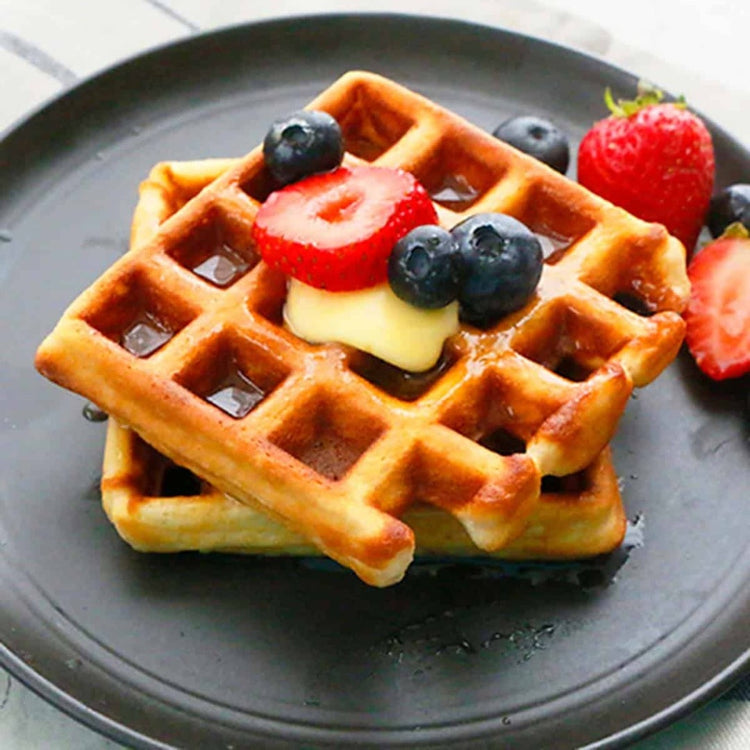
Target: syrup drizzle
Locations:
point(553, 246)
point(454, 192)
point(93, 413)
point(145, 335)
point(223, 267)
point(401, 384)
point(236, 395)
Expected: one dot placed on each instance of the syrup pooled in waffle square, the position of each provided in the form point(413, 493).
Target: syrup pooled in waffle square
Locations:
point(157, 506)
point(206, 373)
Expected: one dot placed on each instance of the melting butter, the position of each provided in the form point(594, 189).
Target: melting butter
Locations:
point(374, 320)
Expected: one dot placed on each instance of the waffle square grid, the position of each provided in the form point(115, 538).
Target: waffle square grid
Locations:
point(328, 452)
point(157, 506)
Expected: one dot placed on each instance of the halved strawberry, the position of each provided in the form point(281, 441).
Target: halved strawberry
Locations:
point(336, 230)
point(718, 313)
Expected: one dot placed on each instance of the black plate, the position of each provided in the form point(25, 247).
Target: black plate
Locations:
point(199, 650)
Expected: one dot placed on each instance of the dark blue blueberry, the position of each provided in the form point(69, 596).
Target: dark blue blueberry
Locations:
point(423, 267)
point(728, 206)
point(537, 137)
point(302, 144)
point(501, 263)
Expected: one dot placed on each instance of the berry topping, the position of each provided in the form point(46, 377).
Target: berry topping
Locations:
point(423, 267)
point(728, 206)
point(537, 137)
point(718, 312)
point(501, 263)
point(302, 144)
point(653, 159)
point(336, 230)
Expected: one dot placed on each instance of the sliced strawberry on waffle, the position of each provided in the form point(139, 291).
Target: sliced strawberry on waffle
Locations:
point(335, 231)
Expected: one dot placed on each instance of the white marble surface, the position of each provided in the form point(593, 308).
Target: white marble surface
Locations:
point(696, 47)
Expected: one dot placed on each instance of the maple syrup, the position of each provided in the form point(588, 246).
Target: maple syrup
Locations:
point(401, 384)
point(145, 334)
point(236, 394)
point(553, 246)
point(223, 267)
point(454, 192)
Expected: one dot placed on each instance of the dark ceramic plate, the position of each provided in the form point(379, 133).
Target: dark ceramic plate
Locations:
point(212, 651)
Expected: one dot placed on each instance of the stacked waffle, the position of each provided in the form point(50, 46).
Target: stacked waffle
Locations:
point(504, 450)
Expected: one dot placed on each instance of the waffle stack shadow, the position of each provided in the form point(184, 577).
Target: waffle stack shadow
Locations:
point(183, 340)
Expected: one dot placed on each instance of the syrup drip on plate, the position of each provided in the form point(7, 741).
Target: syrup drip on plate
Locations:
point(92, 413)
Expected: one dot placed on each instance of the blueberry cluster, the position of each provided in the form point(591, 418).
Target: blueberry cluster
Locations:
point(491, 263)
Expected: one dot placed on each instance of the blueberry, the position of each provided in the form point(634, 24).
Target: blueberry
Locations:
point(501, 263)
point(302, 144)
point(423, 267)
point(537, 137)
point(730, 205)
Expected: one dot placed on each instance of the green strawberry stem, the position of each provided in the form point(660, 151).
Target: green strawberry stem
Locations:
point(736, 231)
point(647, 95)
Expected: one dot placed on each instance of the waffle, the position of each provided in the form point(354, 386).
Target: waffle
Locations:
point(327, 446)
point(157, 506)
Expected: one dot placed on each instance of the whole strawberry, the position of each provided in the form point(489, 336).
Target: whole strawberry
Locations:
point(654, 159)
point(717, 317)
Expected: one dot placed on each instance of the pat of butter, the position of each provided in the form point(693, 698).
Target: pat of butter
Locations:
point(374, 320)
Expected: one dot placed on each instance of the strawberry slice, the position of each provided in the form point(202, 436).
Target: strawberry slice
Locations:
point(718, 313)
point(336, 230)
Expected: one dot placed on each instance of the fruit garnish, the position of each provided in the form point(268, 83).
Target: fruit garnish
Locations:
point(302, 144)
point(423, 268)
point(537, 137)
point(717, 316)
point(501, 264)
point(373, 320)
point(655, 159)
point(336, 230)
point(728, 206)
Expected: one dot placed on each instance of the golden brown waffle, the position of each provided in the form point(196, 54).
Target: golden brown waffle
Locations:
point(157, 506)
point(326, 448)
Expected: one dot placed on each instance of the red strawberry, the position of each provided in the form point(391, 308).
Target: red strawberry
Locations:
point(653, 159)
point(718, 313)
point(336, 230)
